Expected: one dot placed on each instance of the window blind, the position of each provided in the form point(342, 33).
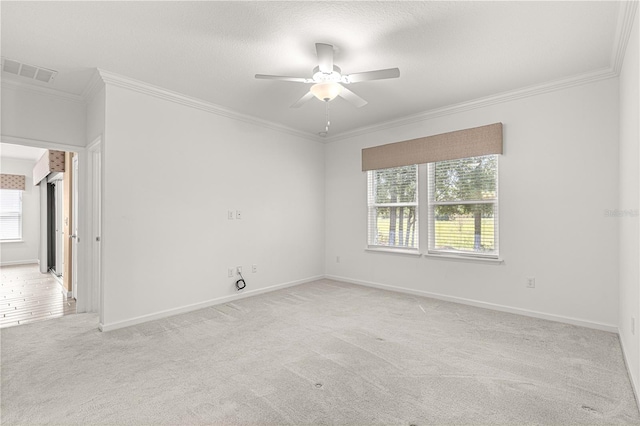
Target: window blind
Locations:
point(393, 207)
point(463, 206)
point(10, 214)
point(465, 143)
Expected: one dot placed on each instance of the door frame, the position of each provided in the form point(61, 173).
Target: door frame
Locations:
point(94, 230)
point(74, 228)
point(85, 285)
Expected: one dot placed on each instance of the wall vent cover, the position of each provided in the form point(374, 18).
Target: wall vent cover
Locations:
point(28, 71)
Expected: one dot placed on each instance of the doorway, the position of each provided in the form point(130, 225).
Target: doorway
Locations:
point(59, 243)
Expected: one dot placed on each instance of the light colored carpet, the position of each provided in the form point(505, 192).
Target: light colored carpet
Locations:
point(318, 353)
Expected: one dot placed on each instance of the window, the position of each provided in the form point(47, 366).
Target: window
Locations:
point(10, 214)
point(459, 169)
point(393, 207)
point(463, 206)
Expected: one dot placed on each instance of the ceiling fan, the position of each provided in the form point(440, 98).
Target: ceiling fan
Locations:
point(328, 80)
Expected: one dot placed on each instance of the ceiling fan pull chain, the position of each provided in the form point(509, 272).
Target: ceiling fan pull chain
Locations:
point(327, 115)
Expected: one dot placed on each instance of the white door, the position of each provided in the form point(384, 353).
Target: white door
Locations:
point(74, 231)
point(96, 231)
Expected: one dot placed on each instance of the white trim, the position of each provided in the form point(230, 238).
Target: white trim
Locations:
point(464, 258)
point(391, 250)
point(626, 17)
point(36, 143)
point(94, 226)
point(64, 291)
point(40, 90)
point(93, 87)
point(60, 284)
point(171, 96)
point(200, 305)
point(525, 92)
point(19, 240)
point(20, 262)
point(492, 306)
point(634, 384)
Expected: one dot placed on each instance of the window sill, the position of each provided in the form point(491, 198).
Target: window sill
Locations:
point(11, 241)
point(463, 258)
point(393, 251)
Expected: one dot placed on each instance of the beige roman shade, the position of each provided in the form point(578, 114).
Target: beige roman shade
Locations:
point(465, 143)
point(12, 181)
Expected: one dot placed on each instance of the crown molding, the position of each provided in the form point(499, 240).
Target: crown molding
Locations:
point(45, 91)
point(93, 87)
point(512, 95)
point(168, 95)
point(628, 10)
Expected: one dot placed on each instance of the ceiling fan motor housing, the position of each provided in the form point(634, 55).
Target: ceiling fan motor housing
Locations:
point(323, 77)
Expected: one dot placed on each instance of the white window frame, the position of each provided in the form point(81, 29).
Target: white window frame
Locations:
point(372, 216)
point(425, 208)
point(19, 214)
point(432, 204)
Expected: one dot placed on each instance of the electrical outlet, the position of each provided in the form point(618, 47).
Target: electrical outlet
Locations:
point(238, 270)
point(238, 214)
point(531, 282)
point(633, 326)
point(254, 268)
point(230, 272)
point(230, 214)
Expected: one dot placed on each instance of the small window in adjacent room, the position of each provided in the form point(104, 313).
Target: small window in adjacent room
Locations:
point(463, 206)
point(10, 214)
point(393, 208)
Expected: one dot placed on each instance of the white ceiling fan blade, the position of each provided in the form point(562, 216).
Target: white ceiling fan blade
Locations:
point(372, 75)
point(303, 100)
point(325, 57)
point(352, 97)
point(284, 78)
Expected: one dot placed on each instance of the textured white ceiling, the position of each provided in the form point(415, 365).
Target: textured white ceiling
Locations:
point(20, 152)
point(447, 52)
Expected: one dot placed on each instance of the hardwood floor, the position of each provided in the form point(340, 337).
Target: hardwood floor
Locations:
point(26, 296)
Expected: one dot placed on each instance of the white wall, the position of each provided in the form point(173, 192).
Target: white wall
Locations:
point(171, 173)
point(27, 250)
point(558, 174)
point(629, 195)
point(37, 116)
point(95, 116)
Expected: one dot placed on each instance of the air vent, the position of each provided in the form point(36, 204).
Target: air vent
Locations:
point(28, 71)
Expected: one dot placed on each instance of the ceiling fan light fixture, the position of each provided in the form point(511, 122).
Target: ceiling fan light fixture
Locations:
point(326, 91)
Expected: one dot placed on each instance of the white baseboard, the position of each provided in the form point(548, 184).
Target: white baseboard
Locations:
point(20, 262)
point(634, 384)
point(249, 293)
point(194, 307)
point(480, 304)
